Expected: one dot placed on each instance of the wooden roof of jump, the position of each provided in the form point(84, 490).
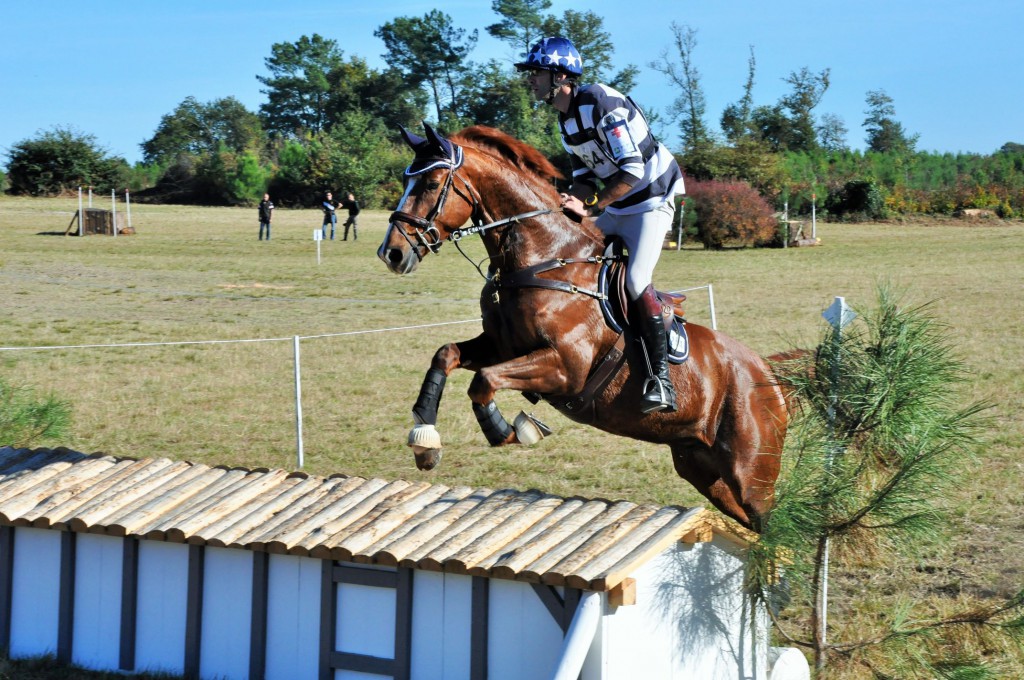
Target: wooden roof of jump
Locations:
point(531, 536)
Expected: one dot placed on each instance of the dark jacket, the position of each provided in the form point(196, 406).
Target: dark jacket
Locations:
point(266, 208)
point(352, 206)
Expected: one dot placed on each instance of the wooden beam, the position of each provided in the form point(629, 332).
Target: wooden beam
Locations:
point(403, 625)
point(623, 594)
point(6, 586)
point(554, 603)
point(328, 619)
point(194, 610)
point(480, 609)
point(129, 602)
point(258, 629)
point(66, 598)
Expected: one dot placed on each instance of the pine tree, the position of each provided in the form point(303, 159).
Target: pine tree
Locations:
point(878, 435)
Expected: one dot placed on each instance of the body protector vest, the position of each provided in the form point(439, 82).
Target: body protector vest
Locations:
point(605, 132)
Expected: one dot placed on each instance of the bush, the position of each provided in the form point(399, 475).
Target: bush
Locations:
point(25, 419)
point(730, 213)
point(60, 161)
point(855, 201)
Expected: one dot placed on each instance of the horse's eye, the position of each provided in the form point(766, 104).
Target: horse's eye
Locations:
point(433, 185)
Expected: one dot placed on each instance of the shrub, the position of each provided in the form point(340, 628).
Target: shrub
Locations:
point(25, 418)
point(61, 160)
point(856, 200)
point(730, 213)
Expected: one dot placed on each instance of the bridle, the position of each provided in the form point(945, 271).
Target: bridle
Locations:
point(426, 234)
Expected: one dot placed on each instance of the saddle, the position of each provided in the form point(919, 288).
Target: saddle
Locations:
point(615, 307)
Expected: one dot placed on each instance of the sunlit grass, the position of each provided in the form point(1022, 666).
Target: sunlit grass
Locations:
point(195, 274)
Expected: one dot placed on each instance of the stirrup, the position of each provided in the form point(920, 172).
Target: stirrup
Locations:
point(656, 398)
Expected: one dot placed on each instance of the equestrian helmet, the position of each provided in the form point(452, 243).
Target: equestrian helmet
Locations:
point(554, 54)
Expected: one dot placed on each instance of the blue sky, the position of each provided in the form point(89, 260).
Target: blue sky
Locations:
point(113, 68)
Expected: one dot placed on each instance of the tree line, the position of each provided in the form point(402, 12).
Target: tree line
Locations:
point(330, 121)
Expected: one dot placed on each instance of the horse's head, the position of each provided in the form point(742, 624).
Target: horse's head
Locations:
point(425, 217)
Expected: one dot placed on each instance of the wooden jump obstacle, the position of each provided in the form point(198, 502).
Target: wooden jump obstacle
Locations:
point(97, 221)
point(215, 572)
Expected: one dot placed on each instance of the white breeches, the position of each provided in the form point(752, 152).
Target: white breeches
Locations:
point(644, 236)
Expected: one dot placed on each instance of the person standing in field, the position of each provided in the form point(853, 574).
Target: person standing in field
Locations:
point(329, 216)
point(266, 211)
point(352, 205)
point(611, 145)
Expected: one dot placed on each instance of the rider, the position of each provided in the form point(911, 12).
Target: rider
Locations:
point(608, 139)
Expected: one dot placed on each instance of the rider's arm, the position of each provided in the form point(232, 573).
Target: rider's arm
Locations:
point(584, 200)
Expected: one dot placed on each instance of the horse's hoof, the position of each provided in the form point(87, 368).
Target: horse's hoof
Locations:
point(528, 429)
point(425, 442)
point(426, 459)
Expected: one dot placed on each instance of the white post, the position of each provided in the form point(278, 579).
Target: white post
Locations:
point(318, 235)
point(785, 224)
point(80, 213)
point(838, 315)
point(711, 305)
point(579, 637)
point(128, 207)
point(682, 214)
point(113, 211)
point(298, 404)
point(90, 196)
point(814, 217)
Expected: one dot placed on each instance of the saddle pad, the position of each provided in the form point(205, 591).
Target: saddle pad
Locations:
point(678, 341)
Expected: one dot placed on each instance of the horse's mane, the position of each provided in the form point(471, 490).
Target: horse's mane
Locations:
point(519, 154)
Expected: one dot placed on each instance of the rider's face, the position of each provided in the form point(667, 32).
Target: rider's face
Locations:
point(540, 82)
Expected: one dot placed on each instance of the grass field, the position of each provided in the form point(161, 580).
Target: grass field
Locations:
point(200, 274)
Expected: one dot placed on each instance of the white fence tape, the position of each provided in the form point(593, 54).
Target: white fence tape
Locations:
point(295, 339)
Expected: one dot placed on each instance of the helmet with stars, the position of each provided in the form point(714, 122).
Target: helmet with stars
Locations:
point(554, 54)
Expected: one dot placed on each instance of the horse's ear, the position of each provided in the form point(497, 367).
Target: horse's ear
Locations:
point(445, 149)
point(435, 139)
point(411, 139)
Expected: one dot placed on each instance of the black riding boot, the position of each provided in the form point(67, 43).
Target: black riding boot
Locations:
point(659, 393)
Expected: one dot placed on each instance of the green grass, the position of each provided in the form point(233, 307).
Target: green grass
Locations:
point(200, 274)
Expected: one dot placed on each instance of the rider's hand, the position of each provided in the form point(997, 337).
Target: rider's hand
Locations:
point(573, 205)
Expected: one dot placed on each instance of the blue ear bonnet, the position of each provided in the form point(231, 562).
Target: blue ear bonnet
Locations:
point(432, 151)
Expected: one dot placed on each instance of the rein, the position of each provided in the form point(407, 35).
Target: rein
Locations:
point(458, 234)
point(429, 237)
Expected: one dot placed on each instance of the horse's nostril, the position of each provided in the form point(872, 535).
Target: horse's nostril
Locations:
point(394, 256)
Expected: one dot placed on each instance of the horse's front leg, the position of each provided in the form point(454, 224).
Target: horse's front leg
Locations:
point(541, 371)
point(424, 437)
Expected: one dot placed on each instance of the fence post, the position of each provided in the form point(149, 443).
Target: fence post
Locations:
point(838, 316)
point(81, 213)
point(298, 404)
point(814, 216)
point(113, 211)
point(711, 304)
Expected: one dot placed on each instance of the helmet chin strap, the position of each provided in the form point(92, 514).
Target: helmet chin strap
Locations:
point(549, 98)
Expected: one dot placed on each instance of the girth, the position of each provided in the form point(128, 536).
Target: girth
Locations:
point(580, 407)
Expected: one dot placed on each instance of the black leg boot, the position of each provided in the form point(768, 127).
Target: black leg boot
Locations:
point(659, 393)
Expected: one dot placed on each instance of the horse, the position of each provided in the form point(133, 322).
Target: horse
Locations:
point(546, 336)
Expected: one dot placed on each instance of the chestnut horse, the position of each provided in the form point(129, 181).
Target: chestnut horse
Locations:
point(544, 332)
